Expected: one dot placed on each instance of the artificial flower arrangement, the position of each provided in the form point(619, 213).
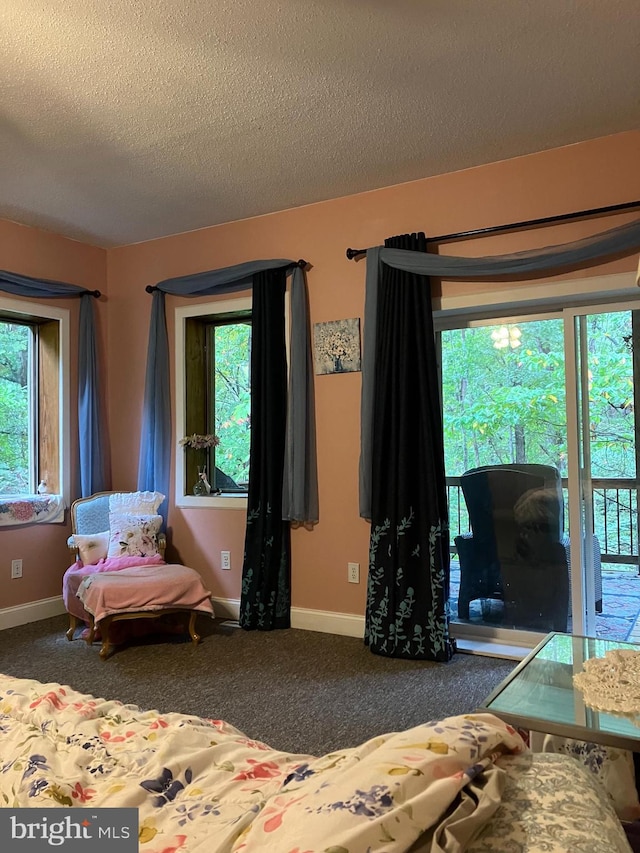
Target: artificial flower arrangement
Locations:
point(201, 442)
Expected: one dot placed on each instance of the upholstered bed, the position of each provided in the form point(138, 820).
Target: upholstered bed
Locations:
point(461, 783)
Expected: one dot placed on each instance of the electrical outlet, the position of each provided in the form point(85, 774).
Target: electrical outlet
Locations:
point(353, 572)
point(16, 568)
point(225, 560)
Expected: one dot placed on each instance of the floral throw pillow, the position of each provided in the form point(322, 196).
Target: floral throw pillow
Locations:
point(133, 535)
point(614, 767)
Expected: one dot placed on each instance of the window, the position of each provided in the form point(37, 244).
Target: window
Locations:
point(503, 394)
point(33, 399)
point(229, 411)
point(17, 345)
point(213, 357)
point(548, 378)
point(218, 397)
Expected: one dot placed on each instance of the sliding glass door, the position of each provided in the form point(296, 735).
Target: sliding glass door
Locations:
point(539, 428)
point(602, 383)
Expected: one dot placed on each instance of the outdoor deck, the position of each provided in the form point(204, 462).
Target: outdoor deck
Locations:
point(620, 617)
point(614, 510)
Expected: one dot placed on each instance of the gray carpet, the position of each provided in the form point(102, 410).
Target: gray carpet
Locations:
point(298, 691)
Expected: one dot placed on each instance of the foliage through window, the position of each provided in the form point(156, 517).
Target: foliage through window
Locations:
point(504, 397)
point(16, 422)
point(218, 397)
point(230, 414)
point(504, 402)
point(30, 403)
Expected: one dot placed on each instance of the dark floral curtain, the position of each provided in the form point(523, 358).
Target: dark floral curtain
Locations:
point(266, 590)
point(408, 586)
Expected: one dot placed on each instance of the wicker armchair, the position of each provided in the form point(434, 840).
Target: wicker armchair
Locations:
point(517, 551)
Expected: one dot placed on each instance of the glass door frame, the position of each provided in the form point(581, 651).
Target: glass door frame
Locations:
point(580, 491)
point(463, 631)
point(580, 515)
point(580, 496)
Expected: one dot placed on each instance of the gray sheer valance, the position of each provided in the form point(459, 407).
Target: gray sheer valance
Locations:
point(300, 496)
point(90, 432)
point(617, 241)
point(24, 285)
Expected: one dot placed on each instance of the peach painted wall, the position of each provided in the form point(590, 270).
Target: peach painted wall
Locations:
point(593, 174)
point(42, 547)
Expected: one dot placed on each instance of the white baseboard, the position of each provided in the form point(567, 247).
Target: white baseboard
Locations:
point(305, 619)
point(328, 622)
point(22, 614)
point(226, 608)
point(325, 621)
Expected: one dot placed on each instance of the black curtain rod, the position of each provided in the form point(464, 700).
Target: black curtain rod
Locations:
point(493, 229)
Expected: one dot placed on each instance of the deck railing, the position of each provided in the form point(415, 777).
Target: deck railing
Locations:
point(615, 516)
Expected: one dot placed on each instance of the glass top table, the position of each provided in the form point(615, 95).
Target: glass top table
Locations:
point(539, 694)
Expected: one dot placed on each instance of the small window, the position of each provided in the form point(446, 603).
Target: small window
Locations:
point(33, 380)
point(18, 400)
point(229, 416)
point(213, 375)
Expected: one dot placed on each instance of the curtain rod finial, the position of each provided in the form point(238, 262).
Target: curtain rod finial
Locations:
point(96, 293)
point(150, 288)
point(353, 253)
point(302, 264)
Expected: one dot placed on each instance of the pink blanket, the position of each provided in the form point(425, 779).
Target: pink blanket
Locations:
point(143, 586)
point(77, 572)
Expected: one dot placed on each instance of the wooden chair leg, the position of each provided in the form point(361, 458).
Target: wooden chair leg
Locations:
point(91, 634)
point(105, 649)
point(195, 637)
point(73, 624)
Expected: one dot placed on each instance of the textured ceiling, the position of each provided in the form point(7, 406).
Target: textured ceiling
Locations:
point(125, 120)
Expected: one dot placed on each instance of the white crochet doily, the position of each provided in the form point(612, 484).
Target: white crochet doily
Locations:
point(612, 683)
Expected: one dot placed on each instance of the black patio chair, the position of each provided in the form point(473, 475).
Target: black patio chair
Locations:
point(515, 552)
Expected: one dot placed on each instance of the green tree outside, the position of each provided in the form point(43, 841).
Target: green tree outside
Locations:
point(504, 401)
point(232, 394)
point(15, 342)
point(507, 404)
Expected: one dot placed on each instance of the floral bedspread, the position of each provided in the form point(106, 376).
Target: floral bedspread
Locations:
point(201, 785)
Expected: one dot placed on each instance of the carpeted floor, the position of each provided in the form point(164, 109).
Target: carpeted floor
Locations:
point(299, 691)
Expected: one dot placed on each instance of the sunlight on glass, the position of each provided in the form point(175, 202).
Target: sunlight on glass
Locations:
point(506, 337)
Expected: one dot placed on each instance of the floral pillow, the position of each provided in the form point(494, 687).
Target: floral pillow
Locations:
point(91, 547)
point(133, 535)
point(614, 767)
point(135, 503)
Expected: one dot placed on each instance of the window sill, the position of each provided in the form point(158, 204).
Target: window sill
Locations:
point(212, 501)
point(31, 509)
